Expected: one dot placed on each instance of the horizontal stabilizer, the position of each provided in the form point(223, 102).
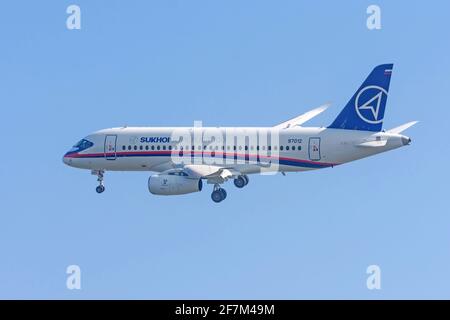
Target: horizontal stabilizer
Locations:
point(373, 144)
point(297, 121)
point(402, 128)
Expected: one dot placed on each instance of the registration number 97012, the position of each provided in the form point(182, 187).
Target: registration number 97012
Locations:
point(294, 140)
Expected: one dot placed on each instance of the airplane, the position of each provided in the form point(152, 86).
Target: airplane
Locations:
point(182, 158)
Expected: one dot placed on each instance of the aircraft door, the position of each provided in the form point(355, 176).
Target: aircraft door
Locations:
point(247, 150)
point(110, 147)
point(314, 149)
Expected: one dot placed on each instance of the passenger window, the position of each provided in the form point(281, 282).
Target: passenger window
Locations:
point(135, 147)
point(287, 148)
point(164, 147)
point(281, 148)
point(293, 148)
point(123, 147)
point(141, 148)
point(158, 147)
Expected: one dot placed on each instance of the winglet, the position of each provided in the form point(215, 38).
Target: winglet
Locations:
point(302, 118)
point(402, 128)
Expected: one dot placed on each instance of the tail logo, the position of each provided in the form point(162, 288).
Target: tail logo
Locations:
point(373, 96)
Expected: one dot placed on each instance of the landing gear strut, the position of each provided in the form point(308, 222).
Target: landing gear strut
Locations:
point(219, 194)
point(99, 173)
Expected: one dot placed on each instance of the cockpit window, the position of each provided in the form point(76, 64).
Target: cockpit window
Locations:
point(83, 144)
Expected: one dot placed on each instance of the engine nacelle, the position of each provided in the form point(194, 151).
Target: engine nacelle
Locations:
point(173, 184)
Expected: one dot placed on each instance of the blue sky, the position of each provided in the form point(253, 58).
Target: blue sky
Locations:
point(231, 63)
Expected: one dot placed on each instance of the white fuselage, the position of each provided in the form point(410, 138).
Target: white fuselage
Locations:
point(184, 157)
point(246, 149)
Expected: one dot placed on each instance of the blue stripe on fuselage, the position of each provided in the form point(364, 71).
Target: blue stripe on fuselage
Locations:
point(281, 161)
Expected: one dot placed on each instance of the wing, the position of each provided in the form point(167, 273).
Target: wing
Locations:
point(213, 173)
point(297, 121)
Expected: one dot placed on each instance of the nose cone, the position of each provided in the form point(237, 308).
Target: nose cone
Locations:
point(406, 140)
point(66, 160)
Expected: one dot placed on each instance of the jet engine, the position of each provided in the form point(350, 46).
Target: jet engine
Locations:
point(173, 184)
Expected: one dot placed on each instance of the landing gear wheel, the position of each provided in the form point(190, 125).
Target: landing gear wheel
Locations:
point(240, 182)
point(99, 173)
point(217, 195)
point(245, 178)
point(224, 193)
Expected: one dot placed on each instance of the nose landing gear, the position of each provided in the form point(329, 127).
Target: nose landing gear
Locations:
point(99, 173)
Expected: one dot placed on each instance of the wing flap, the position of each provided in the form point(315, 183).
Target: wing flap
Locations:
point(208, 171)
point(200, 170)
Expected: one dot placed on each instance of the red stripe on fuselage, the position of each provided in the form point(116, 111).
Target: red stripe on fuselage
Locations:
point(218, 154)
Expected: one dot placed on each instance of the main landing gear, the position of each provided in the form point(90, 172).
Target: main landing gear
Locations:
point(99, 173)
point(241, 181)
point(219, 194)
